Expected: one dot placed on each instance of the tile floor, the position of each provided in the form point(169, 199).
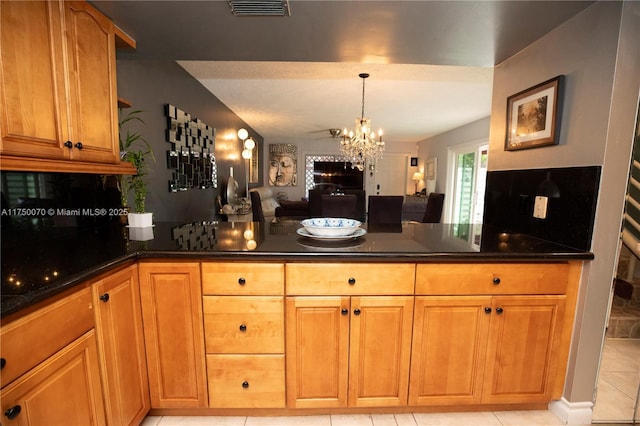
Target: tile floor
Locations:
point(497, 418)
point(618, 381)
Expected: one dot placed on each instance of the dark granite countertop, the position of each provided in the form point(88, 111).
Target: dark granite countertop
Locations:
point(39, 261)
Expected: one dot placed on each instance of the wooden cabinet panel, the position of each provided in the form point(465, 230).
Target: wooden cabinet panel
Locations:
point(63, 390)
point(244, 324)
point(33, 119)
point(317, 353)
point(174, 337)
point(350, 278)
point(492, 278)
point(380, 350)
point(52, 327)
point(121, 343)
point(523, 348)
point(449, 347)
point(92, 68)
point(246, 381)
point(242, 279)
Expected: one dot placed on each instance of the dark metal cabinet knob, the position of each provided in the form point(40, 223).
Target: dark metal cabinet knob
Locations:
point(496, 280)
point(13, 412)
point(487, 310)
point(242, 281)
point(79, 145)
point(105, 297)
point(243, 327)
point(344, 311)
point(357, 311)
point(499, 311)
point(245, 384)
point(352, 281)
point(68, 144)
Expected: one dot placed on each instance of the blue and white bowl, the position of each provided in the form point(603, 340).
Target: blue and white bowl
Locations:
point(331, 226)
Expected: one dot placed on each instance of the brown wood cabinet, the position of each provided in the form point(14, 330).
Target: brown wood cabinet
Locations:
point(243, 306)
point(348, 350)
point(58, 82)
point(121, 343)
point(173, 330)
point(489, 349)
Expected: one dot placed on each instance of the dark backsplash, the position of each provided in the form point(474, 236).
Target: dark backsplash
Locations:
point(572, 192)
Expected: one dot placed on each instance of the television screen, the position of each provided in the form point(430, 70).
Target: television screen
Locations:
point(339, 174)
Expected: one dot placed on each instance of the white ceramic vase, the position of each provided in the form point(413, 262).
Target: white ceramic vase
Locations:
point(140, 220)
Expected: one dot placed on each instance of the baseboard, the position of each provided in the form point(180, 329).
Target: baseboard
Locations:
point(572, 413)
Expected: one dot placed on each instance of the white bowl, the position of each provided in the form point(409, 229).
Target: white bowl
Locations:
point(331, 226)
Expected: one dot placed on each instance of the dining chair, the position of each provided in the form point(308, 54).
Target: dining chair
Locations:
point(338, 206)
point(433, 212)
point(256, 207)
point(385, 209)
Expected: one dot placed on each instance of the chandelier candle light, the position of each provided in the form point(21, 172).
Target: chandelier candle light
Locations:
point(360, 145)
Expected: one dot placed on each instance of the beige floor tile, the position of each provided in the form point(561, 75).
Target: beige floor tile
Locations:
point(150, 421)
point(351, 420)
point(626, 382)
point(612, 405)
point(405, 420)
point(383, 420)
point(528, 418)
point(450, 419)
point(200, 421)
point(289, 421)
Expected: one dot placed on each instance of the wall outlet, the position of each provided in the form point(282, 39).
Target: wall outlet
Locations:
point(540, 207)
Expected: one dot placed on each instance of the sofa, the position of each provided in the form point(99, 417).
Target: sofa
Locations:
point(272, 208)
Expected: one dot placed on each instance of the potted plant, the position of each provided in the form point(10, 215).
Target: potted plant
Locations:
point(136, 150)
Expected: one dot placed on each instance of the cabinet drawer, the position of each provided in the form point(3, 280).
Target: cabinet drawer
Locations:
point(516, 278)
point(243, 324)
point(243, 278)
point(349, 278)
point(33, 338)
point(246, 381)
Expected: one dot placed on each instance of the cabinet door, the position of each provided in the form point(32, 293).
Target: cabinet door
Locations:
point(121, 340)
point(63, 390)
point(379, 350)
point(449, 346)
point(173, 332)
point(33, 119)
point(317, 351)
point(522, 353)
point(92, 71)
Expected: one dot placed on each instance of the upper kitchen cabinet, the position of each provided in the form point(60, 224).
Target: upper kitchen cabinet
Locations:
point(57, 87)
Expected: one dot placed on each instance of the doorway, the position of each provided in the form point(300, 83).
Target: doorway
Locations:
point(388, 177)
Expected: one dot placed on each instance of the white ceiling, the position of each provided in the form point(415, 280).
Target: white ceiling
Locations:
point(431, 62)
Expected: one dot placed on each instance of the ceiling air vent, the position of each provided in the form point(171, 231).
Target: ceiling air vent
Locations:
point(260, 7)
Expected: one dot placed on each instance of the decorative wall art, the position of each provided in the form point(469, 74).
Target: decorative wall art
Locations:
point(191, 157)
point(414, 161)
point(283, 165)
point(430, 168)
point(533, 116)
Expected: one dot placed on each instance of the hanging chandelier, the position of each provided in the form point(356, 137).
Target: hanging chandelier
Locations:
point(360, 145)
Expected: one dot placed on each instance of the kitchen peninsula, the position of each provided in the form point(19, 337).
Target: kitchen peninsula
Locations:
point(255, 316)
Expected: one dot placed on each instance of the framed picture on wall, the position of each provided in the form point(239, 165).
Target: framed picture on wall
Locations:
point(283, 165)
point(533, 116)
point(414, 161)
point(430, 169)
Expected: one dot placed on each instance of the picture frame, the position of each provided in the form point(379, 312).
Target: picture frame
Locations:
point(414, 161)
point(430, 169)
point(533, 116)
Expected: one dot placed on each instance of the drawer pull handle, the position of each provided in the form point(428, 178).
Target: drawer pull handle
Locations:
point(242, 281)
point(496, 280)
point(352, 281)
point(499, 311)
point(3, 362)
point(105, 297)
point(13, 412)
point(245, 384)
point(487, 310)
point(243, 327)
point(79, 145)
point(357, 311)
point(68, 144)
point(344, 311)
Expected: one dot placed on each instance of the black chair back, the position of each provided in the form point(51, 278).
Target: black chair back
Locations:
point(433, 212)
point(385, 209)
point(338, 206)
point(256, 207)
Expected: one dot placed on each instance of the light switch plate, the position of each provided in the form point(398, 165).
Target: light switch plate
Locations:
point(540, 207)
